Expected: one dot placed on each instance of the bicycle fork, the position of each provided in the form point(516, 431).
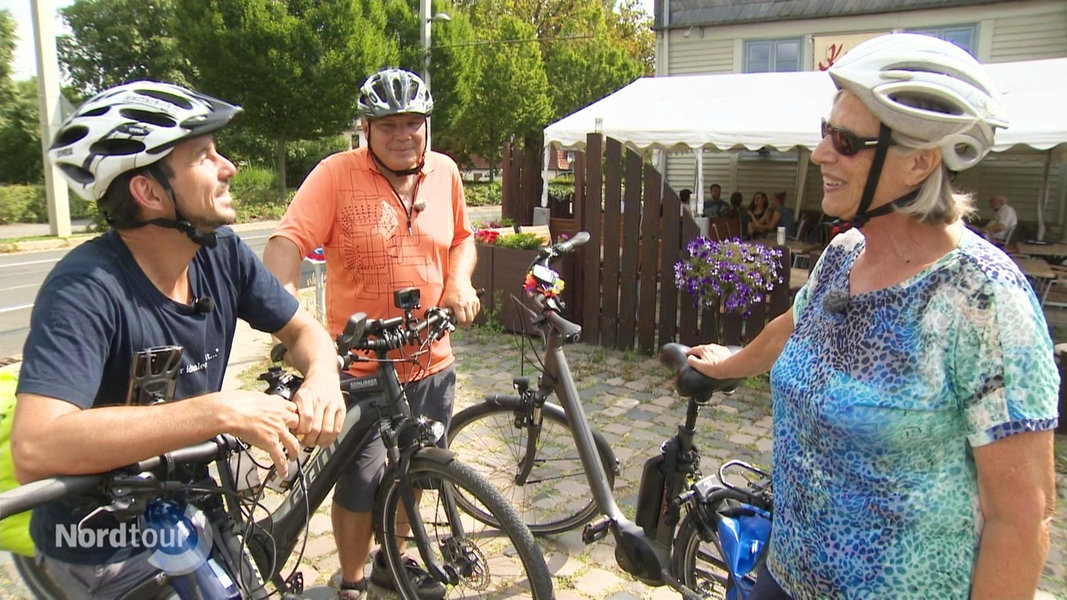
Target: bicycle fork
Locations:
point(447, 574)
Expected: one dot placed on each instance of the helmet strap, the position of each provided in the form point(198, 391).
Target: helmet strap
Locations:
point(862, 216)
point(207, 239)
point(403, 172)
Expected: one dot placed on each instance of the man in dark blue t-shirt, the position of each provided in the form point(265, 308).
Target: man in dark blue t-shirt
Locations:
point(169, 274)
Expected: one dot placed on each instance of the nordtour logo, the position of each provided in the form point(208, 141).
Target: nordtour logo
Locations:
point(180, 541)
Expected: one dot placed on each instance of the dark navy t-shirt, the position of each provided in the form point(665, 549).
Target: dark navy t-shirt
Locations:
point(97, 308)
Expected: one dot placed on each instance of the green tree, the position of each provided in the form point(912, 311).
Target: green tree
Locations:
point(587, 61)
point(452, 63)
point(20, 136)
point(588, 49)
point(7, 53)
point(295, 66)
point(115, 41)
point(511, 98)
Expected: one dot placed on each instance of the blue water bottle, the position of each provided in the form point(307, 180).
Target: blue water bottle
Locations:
point(179, 539)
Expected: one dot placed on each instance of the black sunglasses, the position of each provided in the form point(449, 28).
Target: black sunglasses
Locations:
point(845, 142)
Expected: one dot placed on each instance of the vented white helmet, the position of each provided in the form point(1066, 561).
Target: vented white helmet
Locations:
point(899, 76)
point(394, 92)
point(131, 126)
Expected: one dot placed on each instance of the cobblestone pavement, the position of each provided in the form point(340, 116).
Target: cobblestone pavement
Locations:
point(629, 400)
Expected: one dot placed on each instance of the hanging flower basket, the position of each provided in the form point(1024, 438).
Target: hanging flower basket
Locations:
point(729, 275)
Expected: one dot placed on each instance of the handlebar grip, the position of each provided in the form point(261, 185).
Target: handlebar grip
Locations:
point(570, 245)
point(277, 353)
point(560, 248)
point(38, 493)
point(688, 381)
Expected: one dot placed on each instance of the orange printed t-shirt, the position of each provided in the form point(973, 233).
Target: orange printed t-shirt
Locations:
point(372, 249)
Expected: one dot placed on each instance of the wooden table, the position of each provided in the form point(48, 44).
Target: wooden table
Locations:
point(1058, 249)
point(1035, 268)
point(797, 278)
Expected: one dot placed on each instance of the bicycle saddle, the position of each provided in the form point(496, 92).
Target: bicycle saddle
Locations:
point(688, 381)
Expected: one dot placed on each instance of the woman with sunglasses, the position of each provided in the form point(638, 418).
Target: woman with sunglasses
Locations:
point(913, 382)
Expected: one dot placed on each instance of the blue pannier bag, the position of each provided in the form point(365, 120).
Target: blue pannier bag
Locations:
point(743, 532)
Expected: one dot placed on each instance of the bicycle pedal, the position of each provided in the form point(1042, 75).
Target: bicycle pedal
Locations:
point(596, 530)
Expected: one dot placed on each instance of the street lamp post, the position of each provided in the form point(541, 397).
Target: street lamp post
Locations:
point(425, 21)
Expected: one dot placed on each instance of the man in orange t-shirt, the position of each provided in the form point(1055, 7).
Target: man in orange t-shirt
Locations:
point(388, 216)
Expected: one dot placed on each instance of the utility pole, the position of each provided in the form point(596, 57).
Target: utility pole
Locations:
point(51, 113)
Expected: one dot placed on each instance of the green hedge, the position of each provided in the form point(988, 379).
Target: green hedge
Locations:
point(483, 193)
point(255, 193)
point(28, 204)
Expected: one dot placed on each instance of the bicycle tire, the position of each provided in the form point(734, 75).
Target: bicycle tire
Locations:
point(697, 563)
point(556, 496)
point(503, 563)
point(36, 579)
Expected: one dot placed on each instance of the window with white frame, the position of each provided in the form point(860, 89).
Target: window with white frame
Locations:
point(964, 36)
point(772, 56)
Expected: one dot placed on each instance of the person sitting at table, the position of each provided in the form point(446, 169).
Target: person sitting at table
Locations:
point(760, 215)
point(1003, 222)
point(733, 209)
point(714, 205)
point(785, 218)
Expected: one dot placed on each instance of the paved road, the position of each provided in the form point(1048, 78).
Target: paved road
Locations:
point(22, 272)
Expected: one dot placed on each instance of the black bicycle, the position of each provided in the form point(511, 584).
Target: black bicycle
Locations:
point(422, 479)
point(547, 460)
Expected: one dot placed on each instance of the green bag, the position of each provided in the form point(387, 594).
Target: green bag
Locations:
point(14, 531)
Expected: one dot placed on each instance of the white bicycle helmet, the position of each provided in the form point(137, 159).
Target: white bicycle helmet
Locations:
point(899, 76)
point(131, 126)
point(394, 92)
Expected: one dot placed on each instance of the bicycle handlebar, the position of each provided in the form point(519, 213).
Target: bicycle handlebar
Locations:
point(558, 249)
point(688, 381)
point(545, 282)
point(38, 493)
point(382, 335)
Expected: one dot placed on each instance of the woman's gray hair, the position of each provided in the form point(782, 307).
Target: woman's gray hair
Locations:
point(937, 201)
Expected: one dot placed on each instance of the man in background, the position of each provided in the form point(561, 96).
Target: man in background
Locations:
point(1003, 222)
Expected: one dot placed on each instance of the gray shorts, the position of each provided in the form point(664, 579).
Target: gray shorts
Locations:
point(125, 572)
point(431, 397)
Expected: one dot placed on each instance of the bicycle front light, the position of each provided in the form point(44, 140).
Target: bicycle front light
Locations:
point(432, 430)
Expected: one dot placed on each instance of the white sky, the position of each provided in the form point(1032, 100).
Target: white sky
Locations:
point(25, 65)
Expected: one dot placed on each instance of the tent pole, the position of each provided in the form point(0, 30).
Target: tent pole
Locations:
point(1042, 198)
point(698, 208)
point(544, 175)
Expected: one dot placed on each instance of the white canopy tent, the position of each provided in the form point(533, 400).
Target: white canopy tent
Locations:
point(782, 111)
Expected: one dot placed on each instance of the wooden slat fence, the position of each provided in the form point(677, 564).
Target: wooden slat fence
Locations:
point(624, 277)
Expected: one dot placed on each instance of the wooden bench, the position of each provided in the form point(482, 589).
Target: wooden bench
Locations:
point(541, 231)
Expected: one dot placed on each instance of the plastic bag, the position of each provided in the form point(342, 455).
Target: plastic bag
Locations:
point(15, 530)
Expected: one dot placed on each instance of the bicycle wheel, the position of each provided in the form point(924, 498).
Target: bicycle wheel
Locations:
point(35, 578)
point(555, 496)
point(483, 562)
point(697, 562)
point(43, 588)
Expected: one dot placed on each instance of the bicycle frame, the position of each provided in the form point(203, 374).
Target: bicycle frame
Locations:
point(375, 403)
point(644, 551)
point(645, 557)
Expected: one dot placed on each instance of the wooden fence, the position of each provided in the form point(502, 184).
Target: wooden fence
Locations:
point(623, 279)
